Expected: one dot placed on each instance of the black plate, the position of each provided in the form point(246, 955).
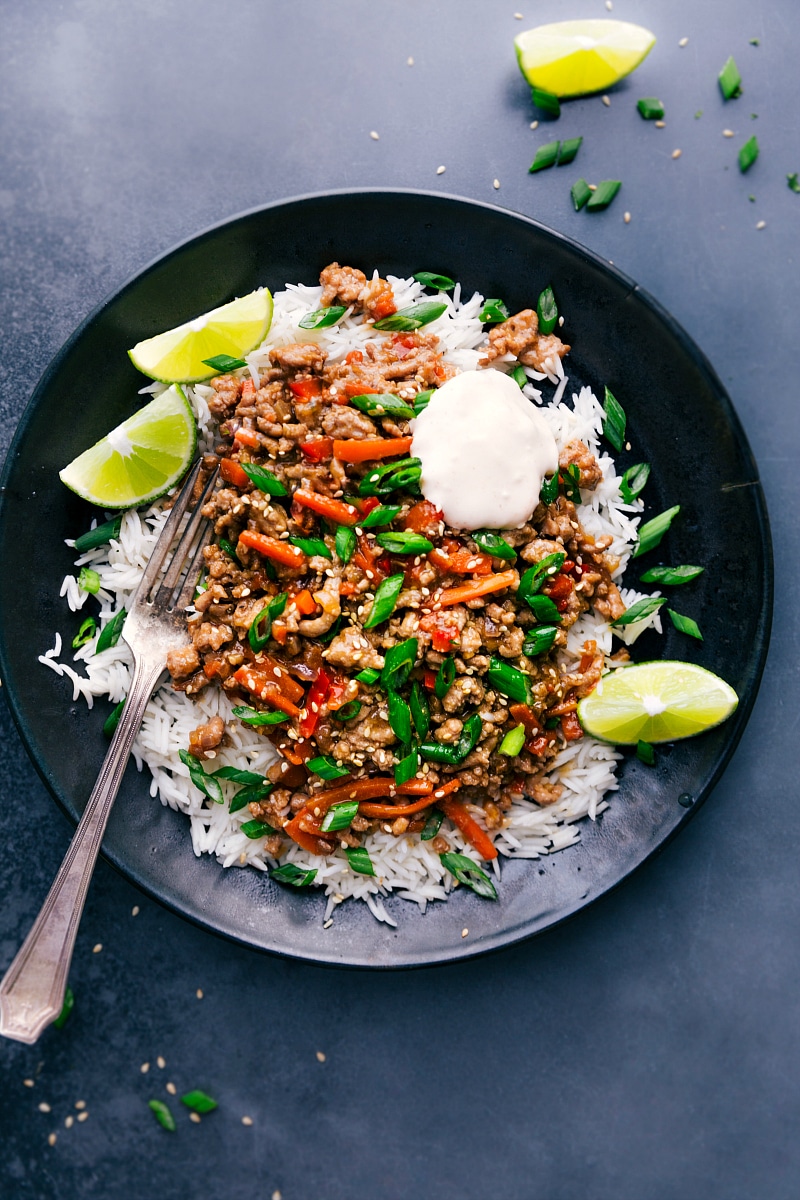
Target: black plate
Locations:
point(679, 419)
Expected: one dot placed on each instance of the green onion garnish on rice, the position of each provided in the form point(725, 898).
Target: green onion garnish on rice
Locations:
point(534, 579)
point(651, 533)
point(442, 283)
point(571, 482)
point(413, 317)
point(326, 767)
point(339, 816)
point(685, 624)
point(89, 581)
point(421, 401)
point(112, 720)
point(111, 632)
point(222, 363)
point(407, 766)
point(432, 826)
point(251, 716)
point(468, 873)
point(99, 535)
point(348, 711)
point(549, 490)
point(85, 634)
point(404, 543)
point(234, 775)
point(359, 860)
point(420, 710)
point(250, 794)
point(633, 481)
point(255, 829)
point(297, 876)
point(547, 311)
point(323, 318)
point(493, 312)
point(640, 610)
point(614, 421)
point(207, 784)
point(519, 376)
point(445, 677)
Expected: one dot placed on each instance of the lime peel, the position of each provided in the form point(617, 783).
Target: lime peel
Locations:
point(576, 58)
point(654, 702)
point(140, 459)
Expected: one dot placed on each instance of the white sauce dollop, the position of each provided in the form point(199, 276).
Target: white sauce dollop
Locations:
point(484, 450)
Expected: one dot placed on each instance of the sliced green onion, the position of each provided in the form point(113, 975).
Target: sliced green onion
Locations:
point(397, 665)
point(399, 716)
point(468, 873)
point(568, 150)
point(404, 543)
point(495, 545)
point(493, 312)
point(264, 480)
point(547, 311)
point(327, 767)
point(406, 767)
point(421, 401)
point(571, 481)
point(536, 576)
point(207, 784)
point(513, 742)
point(223, 363)
point(539, 640)
point(748, 154)
point(348, 711)
point(199, 1102)
point(254, 718)
point(255, 829)
point(580, 193)
point(552, 723)
point(383, 406)
point(439, 753)
point(685, 624)
point(519, 376)
point(730, 81)
point(445, 677)
point(162, 1114)
point(671, 576)
point(112, 720)
point(614, 422)
point(432, 825)
point(89, 581)
point(110, 633)
point(442, 283)
point(650, 108)
point(384, 514)
point(548, 493)
point(632, 483)
point(66, 1008)
point(755, 42)
point(547, 101)
point(646, 754)
point(234, 775)
point(345, 542)
point(99, 535)
point(470, 736)
point(385, 600)
point(545, 157)
point(261, 626)
point(359, 860)
point(323, 318)
point(311, 546)
point(510, 681)
point(544, 609)
point(385, 477)
point(251, 794)
point(603, 194)
point(640, 610)
point(229, 549)
point(85, 634)
point(339, 816)
point(290, 873)
point(420, 710)
point(653, 531)
point(412, 317)
point(369, 676)
point(792, 182)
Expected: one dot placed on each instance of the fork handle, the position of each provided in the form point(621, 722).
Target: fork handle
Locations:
point(32, 991)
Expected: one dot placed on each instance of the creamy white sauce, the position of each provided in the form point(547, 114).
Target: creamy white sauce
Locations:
point(484, 450)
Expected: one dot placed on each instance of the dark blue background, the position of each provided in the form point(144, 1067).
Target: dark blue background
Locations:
point(650, 1047)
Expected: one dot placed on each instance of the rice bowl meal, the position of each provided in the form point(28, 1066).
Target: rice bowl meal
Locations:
point(411, 595)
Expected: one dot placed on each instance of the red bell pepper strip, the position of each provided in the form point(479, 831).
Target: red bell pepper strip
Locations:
point(320, 450)
point(317, 695)
point(367, 449)
point(461, 562)
point(469, 827)
point(306, 389)
point(270, 671)
point(260, 686)
point(387, 812)
point(281, 552)
point(327, 506)
point(571, 727)
point(307, 841)
point(366, 789)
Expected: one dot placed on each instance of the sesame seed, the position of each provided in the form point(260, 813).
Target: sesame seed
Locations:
point(441, 170)
point(609, 5)
point(761, 225)
point(517, 16)
point(79, 1104)
point(660, 124)
point(676, 153)
point(683, 42)
point(84, 1116)
point(28, 1082)
point(69, 1122)
point(135, 910)
point(195, 1118)
point(276, 1196)
point(96, 949)
point(144, 1068)
point(160, 1062)
point(247, 1120)
point(534, 124)
point(627, 218)
point(327, 924)
point(496, 184)
point(374, 135)
point(464, 932)
point(320, 1056)
point(592, 187)
point(727, 133)
point(606, 101)
point(409, 61)
point(172, 1089)
point(45, 1108)
point(199, 993)
point(51, 1139)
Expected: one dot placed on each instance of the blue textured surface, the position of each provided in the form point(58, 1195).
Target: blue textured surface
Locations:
point(648, 1048)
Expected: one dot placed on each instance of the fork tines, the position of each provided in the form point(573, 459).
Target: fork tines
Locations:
point(157, 590)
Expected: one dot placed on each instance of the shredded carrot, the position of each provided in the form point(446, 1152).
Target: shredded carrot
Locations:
point(366, 449)
point(478, 587)
point(247, 437)
point(264, 689)
point(278, 551)
point(470, 828)
point(305, 603)
point(367, 789)
point(327, 506)
point(231, 472)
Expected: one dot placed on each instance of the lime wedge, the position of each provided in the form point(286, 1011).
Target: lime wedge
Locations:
point(573, 58)
point(139, 460)
point(656, 702)
point(178, 355)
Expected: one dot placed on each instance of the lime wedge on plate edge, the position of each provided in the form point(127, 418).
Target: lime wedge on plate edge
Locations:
point(141, 459)
point(178, 355)
point(574, 58)
point(656, 702)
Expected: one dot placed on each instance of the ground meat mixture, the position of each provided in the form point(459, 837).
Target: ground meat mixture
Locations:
point(399, 679)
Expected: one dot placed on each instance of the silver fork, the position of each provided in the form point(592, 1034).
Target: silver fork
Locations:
point(32, 991)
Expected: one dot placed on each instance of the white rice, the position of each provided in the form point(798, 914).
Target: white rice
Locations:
point(404, 866)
